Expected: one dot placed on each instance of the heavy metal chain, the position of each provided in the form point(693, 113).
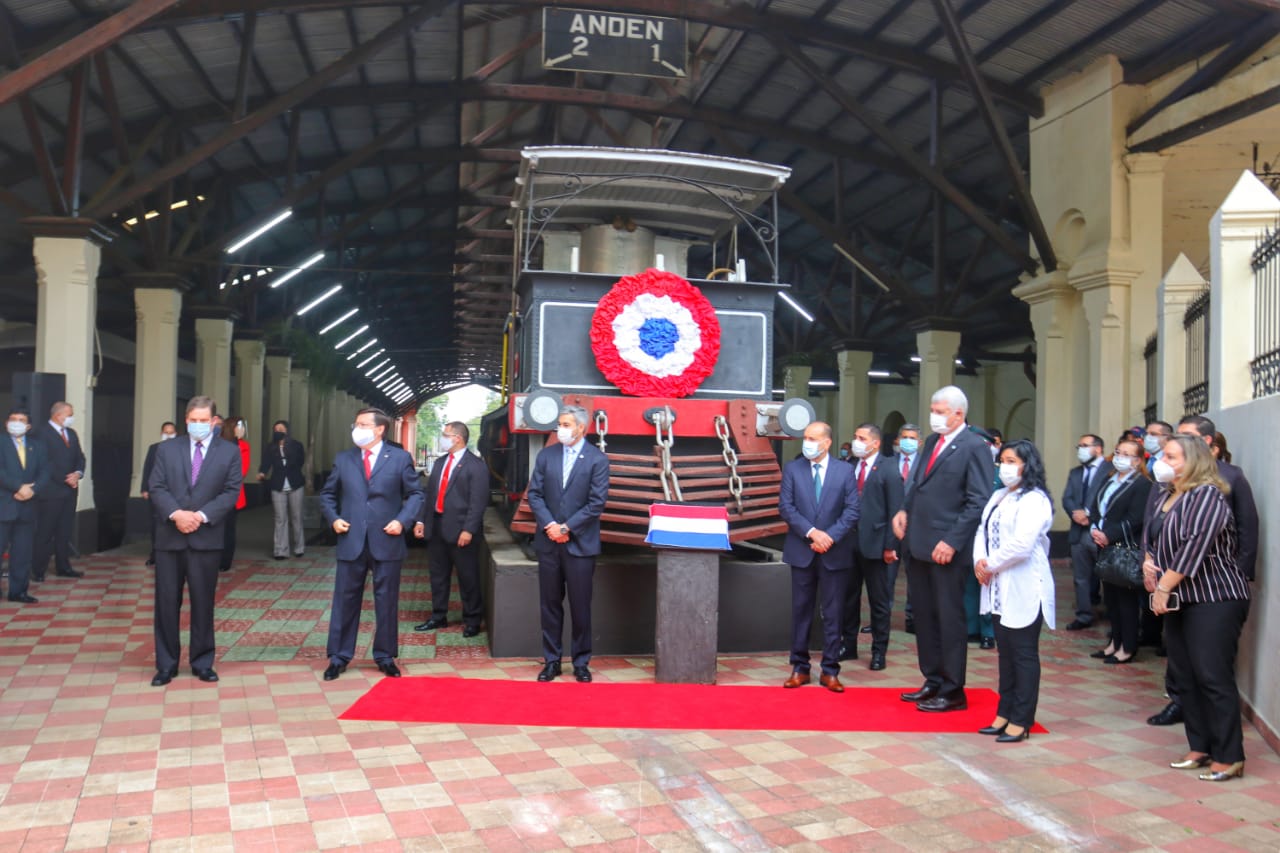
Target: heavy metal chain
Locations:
point(730, 460)
point(602, 427)
point(670, 484)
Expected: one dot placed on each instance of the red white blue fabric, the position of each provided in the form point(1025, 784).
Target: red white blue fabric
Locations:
point(705, 528)
point(655, 335)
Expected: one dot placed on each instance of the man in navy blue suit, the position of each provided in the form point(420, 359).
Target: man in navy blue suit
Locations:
point(567, 494)
point(23, 475)
point(819, 503)
point(373, 493)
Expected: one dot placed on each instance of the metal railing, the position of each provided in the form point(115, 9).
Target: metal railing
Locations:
point(1149, 353)
point(1265, 367)
point(1195, 324)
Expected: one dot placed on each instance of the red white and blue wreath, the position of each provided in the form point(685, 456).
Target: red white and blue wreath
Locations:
point(655, 335)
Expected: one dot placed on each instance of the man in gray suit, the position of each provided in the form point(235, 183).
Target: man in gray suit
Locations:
point(1080, 494)
point(194, 486)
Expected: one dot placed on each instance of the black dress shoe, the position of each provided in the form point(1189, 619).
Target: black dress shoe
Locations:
point(205, 674)
point(1112, 659)
point(471, 631)
point(865, 629)
point(389, 669)
point(1102, 654)
point(24, 599)
point(939, 703)
point(992, 730)
point(70, 573)
point(281, 557)
point(332, 672)
point(163, 678)
point(1170, 715)
point(1077, 625)
point(877, 661)
point(987, 643)
point(849, 652)
point(928, 691)
point(550, 671)
point(581, 673)
point(1025, 734)
point(435, 623)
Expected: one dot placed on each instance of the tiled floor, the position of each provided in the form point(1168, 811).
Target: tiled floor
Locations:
point(92, 757)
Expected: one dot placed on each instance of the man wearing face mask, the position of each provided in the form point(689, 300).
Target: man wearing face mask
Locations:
point(168, 431)
point(452, 522)
point(1153, 442)
point(193, 488)
point(905, 450)
point(567, 493)
point(941, 508)
point(1081, 493)
point(373, 493)
point(56, 505)
point(23, 475)
point(819, 503)
point(846, 451)
point(283, 462)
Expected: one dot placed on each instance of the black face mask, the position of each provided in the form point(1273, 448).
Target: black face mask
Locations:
point(279, 436)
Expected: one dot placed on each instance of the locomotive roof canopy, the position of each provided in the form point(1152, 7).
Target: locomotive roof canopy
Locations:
point(392, 133)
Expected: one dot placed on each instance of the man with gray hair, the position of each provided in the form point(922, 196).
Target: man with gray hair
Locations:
point(567, 493)
point(945, 495)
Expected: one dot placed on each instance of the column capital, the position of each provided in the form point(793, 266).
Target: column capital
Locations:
point(1044, 287)
point(69, 227)
point(936, 324)
point(1146, 163)
point(213, 311)
point(1109, 277)
point(246, 335)
point(157, 281)
point(279, 352)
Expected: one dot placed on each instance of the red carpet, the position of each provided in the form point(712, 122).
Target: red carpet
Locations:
point(660, 706)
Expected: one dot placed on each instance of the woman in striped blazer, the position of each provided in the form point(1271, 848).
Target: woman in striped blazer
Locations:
point(1191, 570)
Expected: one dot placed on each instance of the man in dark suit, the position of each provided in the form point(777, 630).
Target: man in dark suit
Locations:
point(879, 484)
point(168, 432)
point(23, 475)
point(1080, 494)
point(56, 511)
point(941, 508)
point(282, 462)
point(819, 503)
point(373, 493)
point(567, 493)
point(193, 488)
point(452, 523)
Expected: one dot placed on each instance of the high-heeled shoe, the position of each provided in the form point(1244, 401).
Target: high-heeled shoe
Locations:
point(1102, 654)
point(993, 730)
point(1235, 770)
point(1025, 734)
point(1191, 763)
point(1112, 659)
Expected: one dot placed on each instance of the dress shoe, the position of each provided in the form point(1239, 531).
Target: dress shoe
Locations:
point(928, 691)
point(1191, 763)
point(877, 661)
point(70, 573)
point(832, 683)
point(280, 557)
point(993, 730)
point(582, 674)
point(797, 679)
point(865, 629)
point(1112, 659)
point(940, 703)
point(1077, 625)
point(849, 652)
point(471, 631)
point(1025, 734)
point(1102, 654)
point(332, 672)
point(389, 669)
point(1170, 715)
point(435, 623)
point(550, 671)
point(1231, 772)
point(24, 599)
point(910, 626)
point(150, 562)
point(162, 678)
point(298, 553)
point(207, 675)
point(987, 643)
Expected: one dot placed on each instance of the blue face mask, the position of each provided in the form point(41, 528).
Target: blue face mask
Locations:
point(909, 446)
point(199, 432)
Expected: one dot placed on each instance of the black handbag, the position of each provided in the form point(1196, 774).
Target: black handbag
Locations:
point(1120, 564)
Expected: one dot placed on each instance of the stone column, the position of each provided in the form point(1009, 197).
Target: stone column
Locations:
point(157, 301)
point(1105, 299)
point(250, 353)
point(1146, 242)
point(795, 381)
point(67, 253)
point(411, 434)
point(937, 348)
point(853, 400)
point(1181, 285)
point(299, 404)
point(214, 327)
point(1233, 235)
point(279, 393)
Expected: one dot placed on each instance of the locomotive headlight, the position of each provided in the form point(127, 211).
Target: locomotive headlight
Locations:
point(796, 414)
point(542, 410)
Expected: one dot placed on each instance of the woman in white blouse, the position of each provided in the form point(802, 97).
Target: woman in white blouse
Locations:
point(1011, 561)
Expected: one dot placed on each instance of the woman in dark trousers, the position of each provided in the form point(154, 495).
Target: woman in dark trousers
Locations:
point(1195, 581)
point(1118, 509)
point(234, 430)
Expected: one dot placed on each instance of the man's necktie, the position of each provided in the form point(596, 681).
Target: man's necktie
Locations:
point(22, 452)
point(862, 475)
point(1087, 471)
point(444, 484)
point(906, 467)
point(368, 469)
point(817, 482)
point(197, 460)
point(569, 456)
point(65, 440)
point(937, 448)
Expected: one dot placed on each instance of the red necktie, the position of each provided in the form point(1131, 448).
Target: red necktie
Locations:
point(906, 468)
point(937, 448)
point(444, 484)
point(368, 469)
point(65, 440)
point(862, 474)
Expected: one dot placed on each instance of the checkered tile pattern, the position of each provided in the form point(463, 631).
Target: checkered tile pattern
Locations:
point(93, 758)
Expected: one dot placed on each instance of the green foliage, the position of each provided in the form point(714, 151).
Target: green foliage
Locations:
point(430, 422)
point(328, 368)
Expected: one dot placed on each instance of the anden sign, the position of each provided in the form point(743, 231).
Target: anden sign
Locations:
point(606, 43)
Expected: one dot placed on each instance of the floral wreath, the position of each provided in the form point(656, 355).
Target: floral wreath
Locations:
point(655, 335)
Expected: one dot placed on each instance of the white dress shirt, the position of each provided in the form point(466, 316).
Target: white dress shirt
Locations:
point(1013, 538)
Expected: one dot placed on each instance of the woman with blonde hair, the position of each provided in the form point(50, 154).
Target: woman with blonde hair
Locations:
point(1191, 571)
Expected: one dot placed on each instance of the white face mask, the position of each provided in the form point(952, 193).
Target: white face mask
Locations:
point(937, 422)
point(810, 449)
point(1163, 471)
point(165, 436)
point(565, 435)
point(362, 436)
point(1009, 474)
point(68, 421)
point(995, 453)
point(1084, 454)
point(200, 431)
point(17, 428)
point(1123, 464)
point(1151, 443)
point(860, 449)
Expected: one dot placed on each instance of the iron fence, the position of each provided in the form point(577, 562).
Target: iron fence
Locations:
point(1195, 325)
point(1149, 353)
point(1265, 367)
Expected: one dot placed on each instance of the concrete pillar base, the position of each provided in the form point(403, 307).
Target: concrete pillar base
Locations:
point(688, 611)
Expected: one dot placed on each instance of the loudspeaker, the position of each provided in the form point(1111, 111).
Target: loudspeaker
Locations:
point(37, 392)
